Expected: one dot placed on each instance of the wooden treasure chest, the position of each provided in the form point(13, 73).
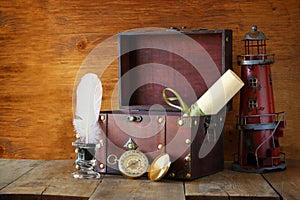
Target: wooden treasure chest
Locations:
point(150, 61)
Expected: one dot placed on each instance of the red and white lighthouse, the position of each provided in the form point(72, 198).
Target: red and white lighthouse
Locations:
point(259, 126)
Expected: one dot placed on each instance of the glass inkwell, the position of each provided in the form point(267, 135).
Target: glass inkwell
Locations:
point(86, 163)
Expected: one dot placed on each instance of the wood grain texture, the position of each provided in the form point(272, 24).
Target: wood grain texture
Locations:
point(11, 170)
point(118, 187)
point(52, 180)
point(229, 184)
point(287, 182)
point(45, 46)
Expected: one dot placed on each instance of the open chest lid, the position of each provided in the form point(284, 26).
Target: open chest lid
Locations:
point(186, 61)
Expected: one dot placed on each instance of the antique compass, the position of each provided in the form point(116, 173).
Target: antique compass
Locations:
point(133, 163)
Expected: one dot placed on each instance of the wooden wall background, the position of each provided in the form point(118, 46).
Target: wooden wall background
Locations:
point(43, 43)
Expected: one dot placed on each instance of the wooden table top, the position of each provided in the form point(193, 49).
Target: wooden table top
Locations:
point(35, 179)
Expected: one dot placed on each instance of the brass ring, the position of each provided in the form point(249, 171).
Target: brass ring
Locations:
point(115, 159)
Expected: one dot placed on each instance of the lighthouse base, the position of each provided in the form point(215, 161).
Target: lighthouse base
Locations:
point(260, 170)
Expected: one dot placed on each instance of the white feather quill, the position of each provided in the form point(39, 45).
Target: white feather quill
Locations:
point(88, 104)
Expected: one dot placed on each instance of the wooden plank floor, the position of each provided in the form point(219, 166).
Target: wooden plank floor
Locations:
point(230, 185)
point(30, 179)
point(11, 170)
point(286, 183)
point(117, 187)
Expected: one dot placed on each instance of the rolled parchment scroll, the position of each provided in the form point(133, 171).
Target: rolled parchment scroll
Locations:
point(213, 100)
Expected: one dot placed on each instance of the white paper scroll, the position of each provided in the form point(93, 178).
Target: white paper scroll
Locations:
point(218, 95)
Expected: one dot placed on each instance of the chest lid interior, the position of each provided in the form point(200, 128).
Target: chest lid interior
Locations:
point(186, 61)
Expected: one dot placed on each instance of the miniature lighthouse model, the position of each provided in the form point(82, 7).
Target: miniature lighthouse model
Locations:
point(259, 126)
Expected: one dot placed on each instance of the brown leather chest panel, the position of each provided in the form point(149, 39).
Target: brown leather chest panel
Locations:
point(180, 137)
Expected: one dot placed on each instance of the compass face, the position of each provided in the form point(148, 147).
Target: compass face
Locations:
point(133, 163)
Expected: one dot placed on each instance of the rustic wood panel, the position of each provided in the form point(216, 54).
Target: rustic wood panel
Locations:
point(11, 170)
point(44, 43)
point(287, 182)
point(52, 180)
point(118, 187)
point(229, 184)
